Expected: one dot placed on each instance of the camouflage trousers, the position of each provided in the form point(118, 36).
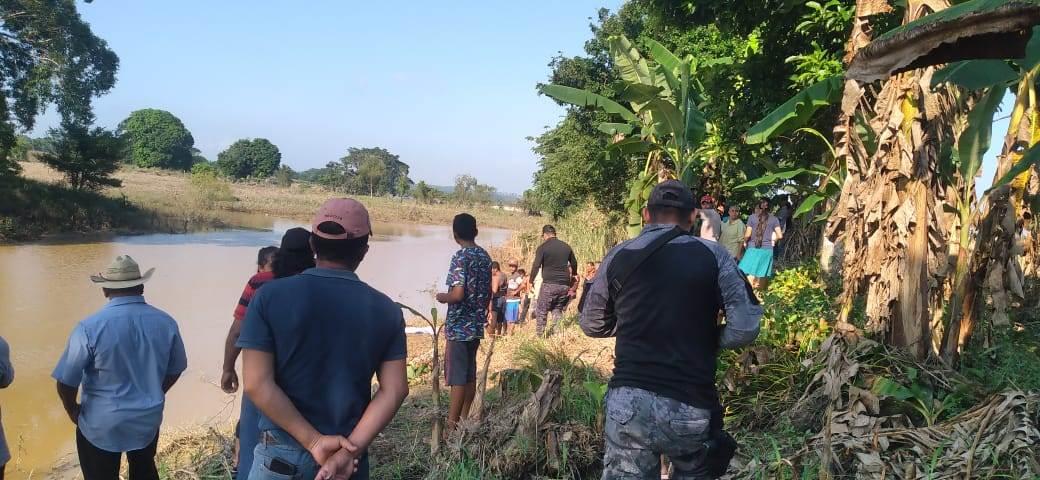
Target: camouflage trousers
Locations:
point(641, 426)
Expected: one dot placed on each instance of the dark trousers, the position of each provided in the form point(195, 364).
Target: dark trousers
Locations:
point(98, 464)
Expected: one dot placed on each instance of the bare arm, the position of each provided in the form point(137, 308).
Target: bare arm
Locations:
point(778, 234)
point(453, 296)
point(67, 395)
point(393, 388)
point(229, 379)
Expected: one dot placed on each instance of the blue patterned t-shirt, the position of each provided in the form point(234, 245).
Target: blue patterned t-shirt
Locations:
point(470, 268)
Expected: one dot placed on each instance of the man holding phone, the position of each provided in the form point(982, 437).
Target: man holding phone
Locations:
point(311, 344)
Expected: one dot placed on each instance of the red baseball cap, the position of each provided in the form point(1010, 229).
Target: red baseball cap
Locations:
point(348, 213)
point(707, 198)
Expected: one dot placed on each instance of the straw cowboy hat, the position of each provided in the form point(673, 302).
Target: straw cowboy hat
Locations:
point(123, 272)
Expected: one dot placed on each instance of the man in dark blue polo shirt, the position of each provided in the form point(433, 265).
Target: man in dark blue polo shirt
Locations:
point(311, 344)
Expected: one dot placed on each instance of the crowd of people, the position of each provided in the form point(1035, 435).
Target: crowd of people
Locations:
point(312, 335)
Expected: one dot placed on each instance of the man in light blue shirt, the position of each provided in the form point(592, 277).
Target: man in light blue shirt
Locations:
point(125, 357)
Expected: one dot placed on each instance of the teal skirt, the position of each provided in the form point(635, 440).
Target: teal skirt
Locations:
point(757, 262)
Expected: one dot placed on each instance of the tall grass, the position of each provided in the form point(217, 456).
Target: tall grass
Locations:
point(587, 230)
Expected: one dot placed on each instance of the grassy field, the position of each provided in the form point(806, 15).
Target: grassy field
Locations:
point(159, 200)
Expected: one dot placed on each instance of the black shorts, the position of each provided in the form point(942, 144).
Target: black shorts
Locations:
point(460, 362)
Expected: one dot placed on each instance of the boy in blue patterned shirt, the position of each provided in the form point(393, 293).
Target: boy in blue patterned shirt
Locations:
point(469, 301)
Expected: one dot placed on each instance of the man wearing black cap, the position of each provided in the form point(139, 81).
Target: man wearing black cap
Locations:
point(660, 294)
point(553, 258)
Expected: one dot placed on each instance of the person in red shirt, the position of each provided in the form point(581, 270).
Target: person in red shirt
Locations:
point(292, 257)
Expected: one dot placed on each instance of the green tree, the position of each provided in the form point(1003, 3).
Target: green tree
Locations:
point(746, 58)
point(50, 56)
point(284, 176)
point(371, 171)
point(158, 139)
point(357, 171)
point(404, 185)
point(86, 157)
point(465, 184)
point(257, 158)
point(469, 191)
point(424, 193)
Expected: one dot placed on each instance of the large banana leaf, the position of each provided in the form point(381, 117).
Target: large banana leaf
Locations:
point(630, 64)
point(674, 84)
point(797, 111)
point(1032, 57)
point(611, 128)
point(662, 55)
point(667, 120)
point(695, 125)
point(975, 74)
point(974, 29)
point(584, 98)
point(773, 177)
point(630, 146)
point(974, 141)
point(639, 94)
point(1029, 159)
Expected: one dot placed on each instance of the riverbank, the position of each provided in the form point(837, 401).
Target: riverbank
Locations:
point(35, 205)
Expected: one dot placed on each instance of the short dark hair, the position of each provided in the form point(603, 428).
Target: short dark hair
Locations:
point(521, 271)
point(464, 226)
point(265, 256)
point(549, 229)
point(348, 251)
point(495, 266)
point(658, 212)
point(134, 290)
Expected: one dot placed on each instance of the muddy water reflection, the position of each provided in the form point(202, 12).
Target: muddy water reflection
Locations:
point(44, 291)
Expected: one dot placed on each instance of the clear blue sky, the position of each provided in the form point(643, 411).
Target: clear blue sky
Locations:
point(448, 86)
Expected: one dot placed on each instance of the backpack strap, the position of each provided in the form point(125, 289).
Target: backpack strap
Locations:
point(622, 266)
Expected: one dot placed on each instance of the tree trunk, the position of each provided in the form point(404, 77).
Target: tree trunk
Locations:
point(889, 213)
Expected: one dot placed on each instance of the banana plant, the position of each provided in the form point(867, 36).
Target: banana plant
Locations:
point(991, 80)
point(662, 120)
point(825, 180)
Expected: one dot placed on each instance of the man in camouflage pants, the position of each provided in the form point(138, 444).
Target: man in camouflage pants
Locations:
point(662, 398)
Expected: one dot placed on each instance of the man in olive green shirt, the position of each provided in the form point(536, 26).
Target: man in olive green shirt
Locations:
point(733, 233)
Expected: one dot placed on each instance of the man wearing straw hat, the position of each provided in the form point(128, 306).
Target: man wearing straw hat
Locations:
point(125, 358)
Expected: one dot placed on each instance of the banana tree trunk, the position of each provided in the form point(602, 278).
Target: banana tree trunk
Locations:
point(993, 266)
point(890, 210)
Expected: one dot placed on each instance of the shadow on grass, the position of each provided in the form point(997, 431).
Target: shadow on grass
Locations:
point(30, 209)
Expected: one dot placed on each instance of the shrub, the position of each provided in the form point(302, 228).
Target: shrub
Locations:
point(797, 309)
point(209, 188)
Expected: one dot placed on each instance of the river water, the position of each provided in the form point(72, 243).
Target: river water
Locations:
point(45, 291)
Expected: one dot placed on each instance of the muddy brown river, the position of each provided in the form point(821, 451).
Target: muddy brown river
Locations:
point(45, 290)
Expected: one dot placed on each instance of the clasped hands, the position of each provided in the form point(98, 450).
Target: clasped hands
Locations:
point(336, 455)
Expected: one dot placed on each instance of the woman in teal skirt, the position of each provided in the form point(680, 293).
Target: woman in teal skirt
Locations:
point(763, 230)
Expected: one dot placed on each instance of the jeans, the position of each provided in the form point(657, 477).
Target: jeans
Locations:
point(641, 426)
point(278, 445)
point(552, 299)
point(98, 464)
point(248, 433)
